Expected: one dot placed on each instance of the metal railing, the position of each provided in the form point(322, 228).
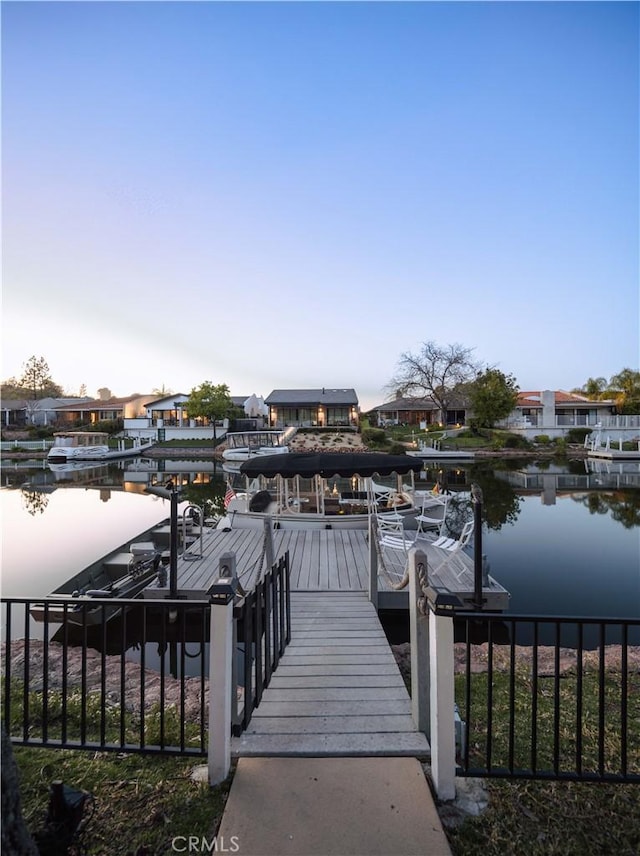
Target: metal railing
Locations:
point(132, 675)
point(128, 675)
point(263, 627)
point(548, 697)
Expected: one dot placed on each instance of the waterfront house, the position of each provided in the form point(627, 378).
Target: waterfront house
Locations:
point(307, 408)
point(421, 412)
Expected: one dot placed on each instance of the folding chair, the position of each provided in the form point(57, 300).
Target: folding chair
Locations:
point(451, 547)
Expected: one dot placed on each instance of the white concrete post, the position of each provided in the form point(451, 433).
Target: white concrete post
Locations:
point(442, 737)
point(419, 638)
point(221, 652)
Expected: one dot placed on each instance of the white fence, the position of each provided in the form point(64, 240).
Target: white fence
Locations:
point(29, 445)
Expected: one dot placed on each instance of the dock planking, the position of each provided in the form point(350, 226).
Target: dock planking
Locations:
point(319, 560)
point(337, 690)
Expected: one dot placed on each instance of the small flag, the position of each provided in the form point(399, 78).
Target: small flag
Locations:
point(229, 495)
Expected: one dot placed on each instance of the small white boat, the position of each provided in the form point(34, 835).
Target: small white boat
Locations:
point(436, 453)
point(243, 445)
point(91, 446)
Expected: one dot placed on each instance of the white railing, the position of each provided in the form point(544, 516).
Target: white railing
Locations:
point(30, 445)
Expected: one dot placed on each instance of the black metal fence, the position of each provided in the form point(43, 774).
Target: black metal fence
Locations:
point(263, 626)
point(548, 697)
point(131, 675)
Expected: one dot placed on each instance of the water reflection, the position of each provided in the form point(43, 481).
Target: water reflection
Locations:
point(562, 538)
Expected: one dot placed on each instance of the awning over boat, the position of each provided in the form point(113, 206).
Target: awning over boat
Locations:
point(328, 464)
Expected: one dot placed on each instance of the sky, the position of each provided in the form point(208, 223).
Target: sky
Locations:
point(293, 194)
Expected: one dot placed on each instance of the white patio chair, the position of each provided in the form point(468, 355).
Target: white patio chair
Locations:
point(392, 534)
point(432, 514)
point(451, 547)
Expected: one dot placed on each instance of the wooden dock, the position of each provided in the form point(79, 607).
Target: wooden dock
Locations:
point(337, 689)
point(320, 560)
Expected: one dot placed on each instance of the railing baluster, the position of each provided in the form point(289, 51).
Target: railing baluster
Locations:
point(259, 592)
point(601, 699)
point(27, 675)
point(6, 693)
point(512, 694)
point(45, 674)
point(183, 665)
point(143, 650)
point(624, 666)
point(268, 642)
point(103, 681)
point(534, 698)
point(83, 680)
point(489, 694)
point(556, 699)
point(467, 694)
point(123, 648)
point(579, 704)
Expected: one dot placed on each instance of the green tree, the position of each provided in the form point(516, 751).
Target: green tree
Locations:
point(209, 401)
point(626, 388)
point(493, 395)
point(36, 378)
point(436, 372)
point(595, 388)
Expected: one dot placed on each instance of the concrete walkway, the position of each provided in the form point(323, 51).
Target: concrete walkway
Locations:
point(331, 807)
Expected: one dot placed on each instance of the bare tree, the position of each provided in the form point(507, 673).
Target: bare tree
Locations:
point(436, 372)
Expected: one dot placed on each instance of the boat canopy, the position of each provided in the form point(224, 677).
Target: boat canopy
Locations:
point(327, 464)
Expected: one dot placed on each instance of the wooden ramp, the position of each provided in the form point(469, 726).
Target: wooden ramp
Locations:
point(337, 690)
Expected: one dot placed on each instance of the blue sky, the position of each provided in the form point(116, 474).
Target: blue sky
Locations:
point(278, 195)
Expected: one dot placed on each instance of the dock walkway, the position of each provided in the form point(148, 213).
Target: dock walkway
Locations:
point(337, 689)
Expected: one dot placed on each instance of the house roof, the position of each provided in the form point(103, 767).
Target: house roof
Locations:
point(534, 399)
point(312, 396)
point(97, 403)
point(412, 403)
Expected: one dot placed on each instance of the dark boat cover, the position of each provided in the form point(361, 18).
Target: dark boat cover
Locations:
point(328, 464)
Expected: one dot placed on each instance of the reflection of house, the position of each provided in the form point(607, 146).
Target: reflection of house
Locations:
point(313, 407)
point(421, 412)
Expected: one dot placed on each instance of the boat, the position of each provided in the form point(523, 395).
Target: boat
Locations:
point(91, 446)
point(122, 573)
point(319, 490)
point(243, 445)
point(436, 453)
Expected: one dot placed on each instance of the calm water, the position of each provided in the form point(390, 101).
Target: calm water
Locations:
point(561, 540)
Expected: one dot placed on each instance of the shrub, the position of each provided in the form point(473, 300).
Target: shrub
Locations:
point(542, 439)
point(374, 436)
point(397, 449)
point(516, 441)
point(577, 435)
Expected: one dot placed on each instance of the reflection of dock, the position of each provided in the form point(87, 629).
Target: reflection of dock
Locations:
point(320, 560)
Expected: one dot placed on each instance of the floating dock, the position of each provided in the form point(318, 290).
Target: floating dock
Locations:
point(319, 560)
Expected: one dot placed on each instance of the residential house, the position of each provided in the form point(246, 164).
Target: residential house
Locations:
point(543, 412)
point(89, 411)
point(421, 412)
point(38, 412)
point(313, 408)
point(555, 412)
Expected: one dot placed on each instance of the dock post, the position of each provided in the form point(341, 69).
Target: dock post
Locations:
point(442, 736)
point(419, 639)
point(221, 653)
point(173, 545)
point(373, 562)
